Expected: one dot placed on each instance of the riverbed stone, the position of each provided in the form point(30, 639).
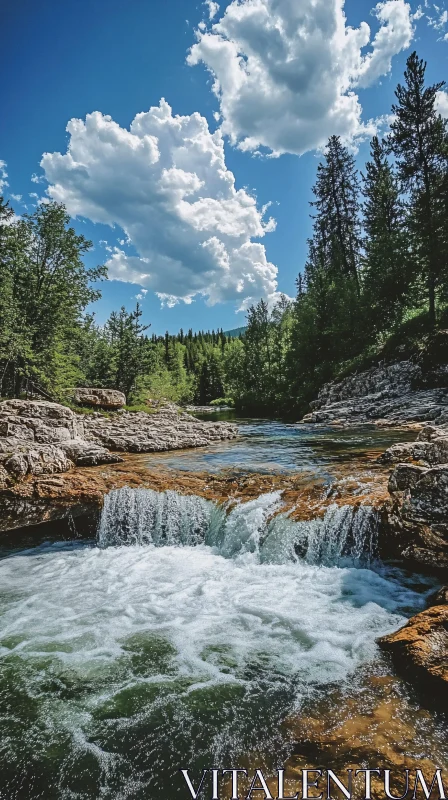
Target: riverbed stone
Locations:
point(420, 649)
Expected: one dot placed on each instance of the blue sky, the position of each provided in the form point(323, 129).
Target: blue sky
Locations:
point(197, 245)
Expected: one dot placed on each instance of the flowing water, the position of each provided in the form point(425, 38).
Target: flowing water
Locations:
point(185, 636)
point(267, 446)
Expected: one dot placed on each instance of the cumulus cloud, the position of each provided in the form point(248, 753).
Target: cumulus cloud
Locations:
point(442, 103)
point(165, 183)
point(285, 72)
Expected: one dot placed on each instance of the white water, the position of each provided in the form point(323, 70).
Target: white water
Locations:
point(142, 516)
point(224, 616)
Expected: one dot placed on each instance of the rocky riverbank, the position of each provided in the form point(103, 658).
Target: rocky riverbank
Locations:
point(405, 391)
point(41, 438)
point(414, 527)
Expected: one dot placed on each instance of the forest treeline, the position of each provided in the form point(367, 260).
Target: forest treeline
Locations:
point(376, 274)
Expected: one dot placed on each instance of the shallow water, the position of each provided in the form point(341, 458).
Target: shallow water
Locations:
point(186, 635)
point(267, 446)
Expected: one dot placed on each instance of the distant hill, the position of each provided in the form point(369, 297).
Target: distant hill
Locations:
point(235, 332)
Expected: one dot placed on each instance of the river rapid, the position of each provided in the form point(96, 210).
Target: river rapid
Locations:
point(187, 635)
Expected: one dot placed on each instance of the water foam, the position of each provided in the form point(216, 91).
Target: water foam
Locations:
point(142, 516)
point(133, 659)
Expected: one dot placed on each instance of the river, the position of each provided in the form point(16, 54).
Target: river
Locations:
point(185, 636)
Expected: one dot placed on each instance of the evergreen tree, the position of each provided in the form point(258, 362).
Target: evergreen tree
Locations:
point(419, 143)
point(130, 347)
point(386, 274)
point(48, 285)
point(337, 232)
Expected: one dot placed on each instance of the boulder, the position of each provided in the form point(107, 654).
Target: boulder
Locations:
point(415, 521)
point(41, 438)
point(100, 398)
point(430, 453)
point(420, 650)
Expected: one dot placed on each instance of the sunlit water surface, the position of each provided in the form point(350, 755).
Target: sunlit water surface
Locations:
point(266, 446)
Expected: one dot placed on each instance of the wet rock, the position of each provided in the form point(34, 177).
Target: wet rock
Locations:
point(415, 526)
point(430, 452)
point(420, 649)
point(102, 398)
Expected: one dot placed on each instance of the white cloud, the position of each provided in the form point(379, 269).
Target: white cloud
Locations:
point(442, 103)
point(286, 71)
point(3, 175)
point(438, 20)
point(213, 8)
point(166, 184)
point(141, 295)
point(16, 197)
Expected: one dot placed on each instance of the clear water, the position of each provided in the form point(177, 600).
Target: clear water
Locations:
point(182, 637)
point(272, 447)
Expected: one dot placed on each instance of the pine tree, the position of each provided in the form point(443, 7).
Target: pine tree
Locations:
point(337, 220)
point(130, 347)
point(386, 274)
point(418, 141)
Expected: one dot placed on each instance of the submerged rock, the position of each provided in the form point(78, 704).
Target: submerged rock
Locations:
point(420, 649)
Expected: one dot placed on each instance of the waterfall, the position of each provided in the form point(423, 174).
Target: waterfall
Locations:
point(142, 516)
point(345, 534)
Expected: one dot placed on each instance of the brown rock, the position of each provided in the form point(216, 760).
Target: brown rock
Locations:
point(100, 398)
point(420, 649)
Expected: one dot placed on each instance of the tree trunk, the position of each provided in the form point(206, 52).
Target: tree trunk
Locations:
point(432, 300)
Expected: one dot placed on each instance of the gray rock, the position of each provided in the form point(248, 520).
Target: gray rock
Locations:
point(416, 520)
point(44, 460)
point(428, 452)
point(40, 438)
point(385, 393)
point(167, 429)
